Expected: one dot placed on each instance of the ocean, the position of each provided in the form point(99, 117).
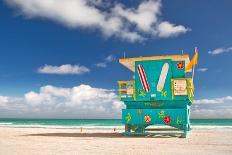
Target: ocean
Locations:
point(100, 123)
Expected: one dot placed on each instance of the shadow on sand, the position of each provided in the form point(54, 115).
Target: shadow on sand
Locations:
point(101, 135)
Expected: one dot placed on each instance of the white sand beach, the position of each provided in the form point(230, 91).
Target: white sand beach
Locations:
point(28, 141)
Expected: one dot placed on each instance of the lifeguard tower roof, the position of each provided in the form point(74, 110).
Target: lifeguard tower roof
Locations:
point(130, 62)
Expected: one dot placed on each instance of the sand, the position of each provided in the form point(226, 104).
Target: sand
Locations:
point(28, 141)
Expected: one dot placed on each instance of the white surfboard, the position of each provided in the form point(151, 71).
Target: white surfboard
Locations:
point(162, 78)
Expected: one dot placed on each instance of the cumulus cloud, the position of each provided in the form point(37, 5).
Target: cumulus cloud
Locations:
point(84, 101)
point(202, 69)
point(214, 100)
point(110, 58)
point(112, 19)
point(101, 65)
point(166, 29)
point(3, 100)
point(143, 17)
point(220, 51)
point(220, 107)
point(81, 101)
point(63, 69)
point(211, 113)
point(107, 60)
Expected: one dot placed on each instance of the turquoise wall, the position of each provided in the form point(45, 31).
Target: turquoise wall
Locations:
point(157, 106)
point(152, 70)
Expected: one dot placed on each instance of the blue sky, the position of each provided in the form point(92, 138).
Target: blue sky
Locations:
point(38, 37)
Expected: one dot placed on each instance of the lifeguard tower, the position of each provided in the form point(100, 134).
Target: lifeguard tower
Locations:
point(159, 94)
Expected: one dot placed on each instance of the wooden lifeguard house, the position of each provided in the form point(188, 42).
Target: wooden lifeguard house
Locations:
point(159, 94)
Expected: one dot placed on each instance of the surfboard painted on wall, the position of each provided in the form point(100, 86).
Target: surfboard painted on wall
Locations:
point(143, 78)
point(162, 78)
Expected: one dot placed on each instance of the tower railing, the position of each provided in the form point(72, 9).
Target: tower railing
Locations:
point(126, 90)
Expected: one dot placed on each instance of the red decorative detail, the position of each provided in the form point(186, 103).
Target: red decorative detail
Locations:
point(147, 118)
point(180, 65)
point(167, 119)
point(143, 78)
point(155, 104)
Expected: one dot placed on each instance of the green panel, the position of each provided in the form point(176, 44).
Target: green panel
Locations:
point(180, 97)
point(157, 116)
point(153, 70)
point(157, 104)
point(177, 72)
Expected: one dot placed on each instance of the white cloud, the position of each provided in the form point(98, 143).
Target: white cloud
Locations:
point(63, 69)
point(213, 101)
point(166, 29)
point(144, 17)
point(212, 113)
point(38, 99)
point(82, 98)
point(101, 65)
point(84, 101)
point(3, 100)
point(113, 19)
point(107, 60)
point(212, 108)
point(81, 101)
point(202, 69)
point(220, 51)
point(110, 58)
